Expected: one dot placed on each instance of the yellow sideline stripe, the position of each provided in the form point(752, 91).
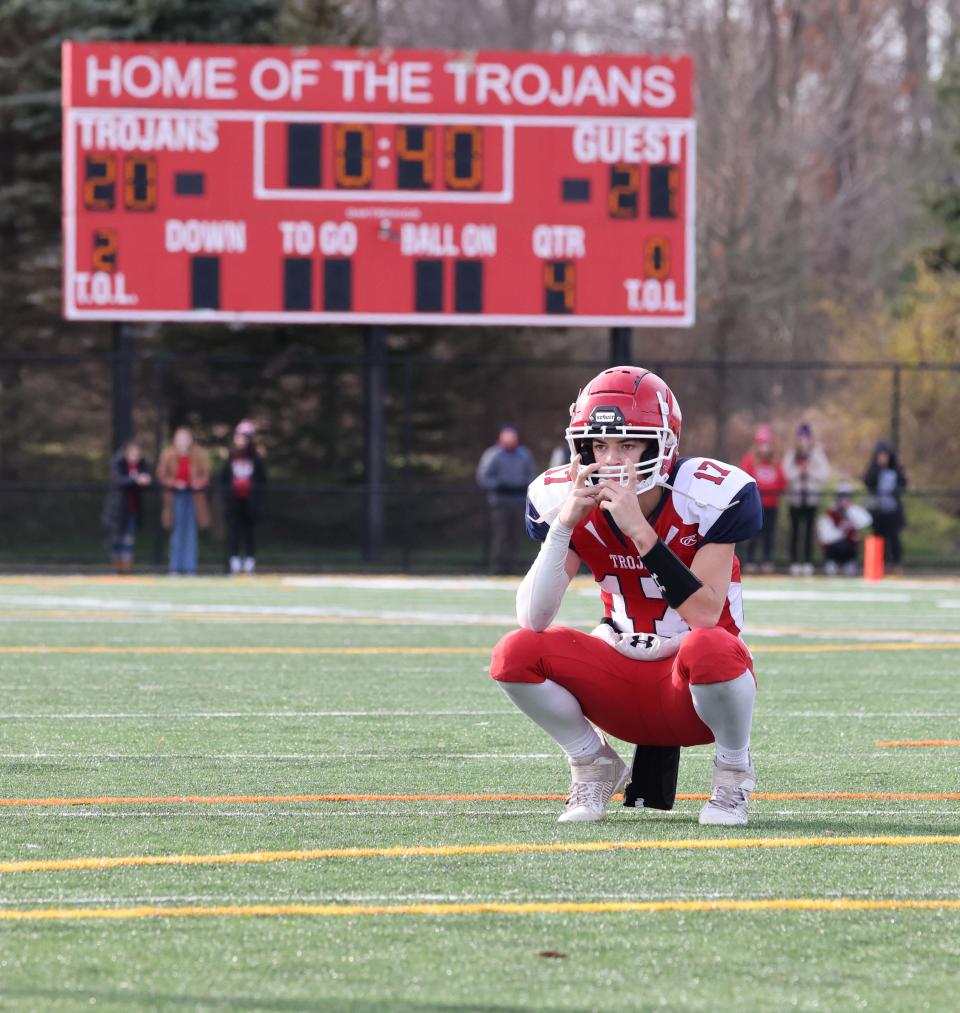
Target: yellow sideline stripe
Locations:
point(822, 633)
point(766, 796)
point(490, 907)
point(921, 742)
point(443, 850)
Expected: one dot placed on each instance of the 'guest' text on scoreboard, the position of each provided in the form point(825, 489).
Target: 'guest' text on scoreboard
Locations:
point(392, 186)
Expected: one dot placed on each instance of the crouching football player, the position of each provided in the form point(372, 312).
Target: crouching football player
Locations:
point(666, 666)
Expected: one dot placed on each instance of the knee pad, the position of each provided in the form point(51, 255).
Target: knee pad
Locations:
point(713, 655)
point(517, 657)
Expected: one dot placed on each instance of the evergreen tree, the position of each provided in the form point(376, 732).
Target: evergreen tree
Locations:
point(31, 34)
point(943, 203)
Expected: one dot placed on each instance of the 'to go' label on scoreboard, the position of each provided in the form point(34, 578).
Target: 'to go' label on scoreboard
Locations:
point(313, 185)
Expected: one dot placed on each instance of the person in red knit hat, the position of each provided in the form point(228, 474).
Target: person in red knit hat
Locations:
point(761, 463)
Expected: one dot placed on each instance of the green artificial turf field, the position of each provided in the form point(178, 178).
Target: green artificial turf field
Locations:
point(149, 690)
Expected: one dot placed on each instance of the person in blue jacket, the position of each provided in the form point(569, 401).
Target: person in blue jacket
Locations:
point(505, 471)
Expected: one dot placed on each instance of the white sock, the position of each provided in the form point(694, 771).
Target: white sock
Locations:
point(726, 708)
point(557, 711)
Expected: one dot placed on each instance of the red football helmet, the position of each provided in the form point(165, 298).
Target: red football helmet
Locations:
point(628, 401)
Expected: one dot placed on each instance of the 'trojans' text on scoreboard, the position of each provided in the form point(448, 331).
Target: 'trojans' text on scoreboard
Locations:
point(311, 185)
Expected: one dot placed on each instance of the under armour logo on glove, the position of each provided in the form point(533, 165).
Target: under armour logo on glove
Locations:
point(639, 646)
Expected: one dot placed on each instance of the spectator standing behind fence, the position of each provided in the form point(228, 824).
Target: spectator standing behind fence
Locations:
point(838, 531)
point(886, 481)
point(505, 471)
point(122, 508)
point(184, 473)
point(242, 481)
point(771, 482)
point(807, 470)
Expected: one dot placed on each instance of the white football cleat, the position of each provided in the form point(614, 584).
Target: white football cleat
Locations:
point(595, 780)
point(730, 800)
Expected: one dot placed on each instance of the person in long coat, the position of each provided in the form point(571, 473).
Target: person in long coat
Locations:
point(886, 482)
point(122, 513)
point(184, 474)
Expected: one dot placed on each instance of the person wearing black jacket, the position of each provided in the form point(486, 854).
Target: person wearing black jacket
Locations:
point(886, 481)
point(122, 512)
point(243, 479)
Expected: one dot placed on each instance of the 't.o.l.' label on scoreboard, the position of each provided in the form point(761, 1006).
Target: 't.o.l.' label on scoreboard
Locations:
point(319, 185)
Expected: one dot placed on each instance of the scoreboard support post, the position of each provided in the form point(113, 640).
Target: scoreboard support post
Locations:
point(374, 393)
point(159, 431)
point(621, 341)
point(122, 395)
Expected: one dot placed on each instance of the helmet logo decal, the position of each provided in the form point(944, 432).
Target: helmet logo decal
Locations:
point(605, 409)
point(664, 411)
point(606, 415)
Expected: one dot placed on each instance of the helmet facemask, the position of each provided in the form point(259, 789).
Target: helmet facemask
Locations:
point(608, 423)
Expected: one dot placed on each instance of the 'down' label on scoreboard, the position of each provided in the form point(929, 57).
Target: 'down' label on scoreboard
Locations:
point(272, 184)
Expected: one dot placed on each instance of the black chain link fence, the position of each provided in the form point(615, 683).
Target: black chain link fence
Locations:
point(438, 416)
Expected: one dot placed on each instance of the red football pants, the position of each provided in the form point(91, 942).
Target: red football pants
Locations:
point(645, 702)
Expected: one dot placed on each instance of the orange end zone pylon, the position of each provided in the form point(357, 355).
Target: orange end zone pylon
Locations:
point(873, 557)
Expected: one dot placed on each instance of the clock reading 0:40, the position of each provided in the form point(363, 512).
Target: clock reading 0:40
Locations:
point(415, 146)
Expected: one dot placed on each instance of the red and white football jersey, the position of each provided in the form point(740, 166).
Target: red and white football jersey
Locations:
point(710, 502)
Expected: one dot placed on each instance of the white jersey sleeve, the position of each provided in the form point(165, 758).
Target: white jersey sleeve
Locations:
point(720, 499)
point(546, 494)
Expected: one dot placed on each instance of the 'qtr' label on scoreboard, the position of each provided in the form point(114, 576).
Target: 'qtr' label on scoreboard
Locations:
point(321, 185)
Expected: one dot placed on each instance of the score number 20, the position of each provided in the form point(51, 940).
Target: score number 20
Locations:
point(139, 182)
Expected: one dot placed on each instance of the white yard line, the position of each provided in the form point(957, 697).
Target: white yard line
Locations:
point(549, 808)
point(876, 636)
point(80, 621)
point(474, 898)
point(770, 713)
point(281, 715)
point(312, 611)
point(398, 756)
point(917, 812)
point(407, 583)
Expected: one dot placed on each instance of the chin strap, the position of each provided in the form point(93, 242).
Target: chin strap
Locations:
point(664, 484)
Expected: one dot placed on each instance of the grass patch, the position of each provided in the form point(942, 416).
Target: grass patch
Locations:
point(161, 724)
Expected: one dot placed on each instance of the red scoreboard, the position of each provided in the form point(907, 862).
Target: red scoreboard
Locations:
point(242, 183)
